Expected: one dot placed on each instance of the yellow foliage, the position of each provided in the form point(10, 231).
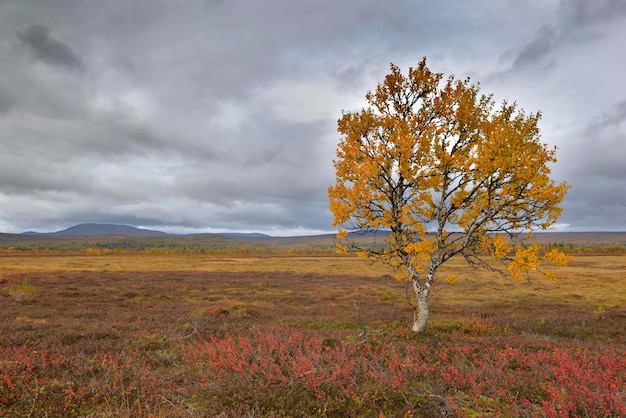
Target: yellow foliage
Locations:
point(558, 258)
point(421, 249)
point(429, 151)
point(342, 249)
point(497, 245)
point(526, 259)
point(452, 278)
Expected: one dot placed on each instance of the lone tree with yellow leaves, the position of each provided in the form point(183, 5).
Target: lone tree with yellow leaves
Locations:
point(446, 172)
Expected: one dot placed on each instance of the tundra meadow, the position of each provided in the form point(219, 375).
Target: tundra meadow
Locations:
point(303, 331)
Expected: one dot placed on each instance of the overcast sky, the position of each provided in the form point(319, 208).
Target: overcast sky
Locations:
point(220, 115)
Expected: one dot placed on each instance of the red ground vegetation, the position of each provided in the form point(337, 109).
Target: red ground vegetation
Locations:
point(177, 344)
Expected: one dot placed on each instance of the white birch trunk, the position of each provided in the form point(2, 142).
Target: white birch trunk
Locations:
point(422, 314)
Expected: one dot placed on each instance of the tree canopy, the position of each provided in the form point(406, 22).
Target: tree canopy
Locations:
point(448, 172)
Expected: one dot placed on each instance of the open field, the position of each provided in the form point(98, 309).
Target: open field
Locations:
point(194, 335)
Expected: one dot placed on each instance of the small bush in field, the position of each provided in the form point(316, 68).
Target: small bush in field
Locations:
point(22, 292)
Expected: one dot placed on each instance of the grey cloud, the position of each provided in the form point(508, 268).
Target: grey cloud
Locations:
point(576, 21)
point(582, 13)
point(222, 114)
point(43, 210)
point(595, 168)
point(48, 49)
point(213, 4)
point(36, 91)
point(7, 101)
point(65, 140)
point(610, 120)
point(596, 202)
point(234, 48)
point(98, 158)
point(274, 160)
point(536, 50)
point(39, 177)
point(606, 146)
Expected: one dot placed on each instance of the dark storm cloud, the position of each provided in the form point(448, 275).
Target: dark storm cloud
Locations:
point(48, 49)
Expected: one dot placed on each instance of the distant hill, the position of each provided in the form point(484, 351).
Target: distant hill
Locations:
point(94, 229)
point(90, 229)
point(127, 237)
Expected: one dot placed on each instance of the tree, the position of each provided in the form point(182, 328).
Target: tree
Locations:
point(435, 155)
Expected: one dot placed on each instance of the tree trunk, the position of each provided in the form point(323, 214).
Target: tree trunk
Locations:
point(421, 313)
point(422, 292)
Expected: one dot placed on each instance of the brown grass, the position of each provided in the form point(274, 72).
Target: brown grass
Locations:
point(178, 290)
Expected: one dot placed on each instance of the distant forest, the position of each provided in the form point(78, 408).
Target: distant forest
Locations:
point(587, 242)
point(204, 243)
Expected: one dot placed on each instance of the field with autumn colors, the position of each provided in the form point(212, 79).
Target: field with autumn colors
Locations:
point(183, 334)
